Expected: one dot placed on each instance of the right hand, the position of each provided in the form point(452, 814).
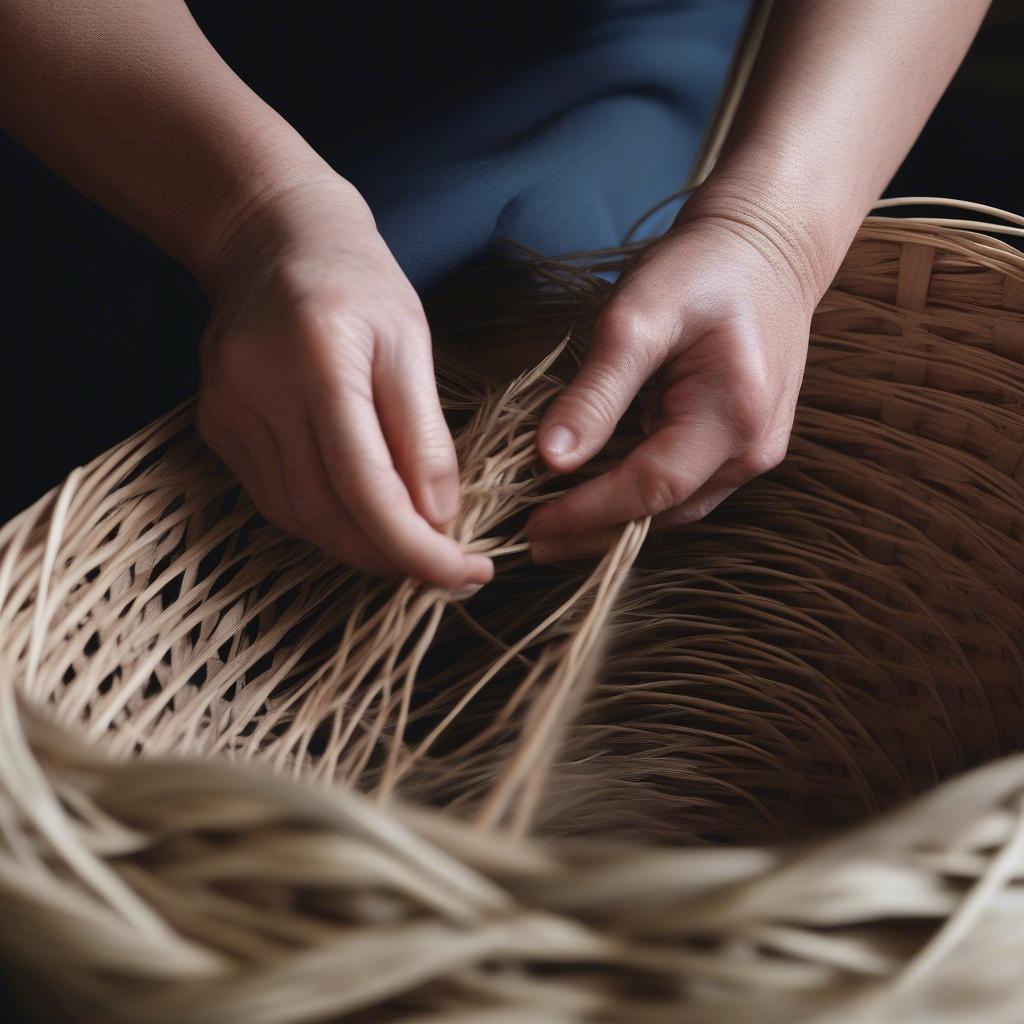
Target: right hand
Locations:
point(318, 388)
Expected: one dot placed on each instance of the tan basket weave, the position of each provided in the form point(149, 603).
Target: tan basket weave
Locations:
point(682, 786)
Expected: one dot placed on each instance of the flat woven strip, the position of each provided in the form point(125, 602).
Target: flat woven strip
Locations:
point(762, 770)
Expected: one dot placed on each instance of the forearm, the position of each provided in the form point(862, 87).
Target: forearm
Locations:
point(128, 101)
point(839, 93)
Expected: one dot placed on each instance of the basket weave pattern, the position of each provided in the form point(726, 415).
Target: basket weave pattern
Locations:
point(238, 782)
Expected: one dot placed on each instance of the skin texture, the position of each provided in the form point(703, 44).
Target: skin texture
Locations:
point(318, 390)
point(317, 384)
point(715, 317)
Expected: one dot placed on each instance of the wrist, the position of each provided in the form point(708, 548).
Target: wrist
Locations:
point(804, 225)
point(281, 218)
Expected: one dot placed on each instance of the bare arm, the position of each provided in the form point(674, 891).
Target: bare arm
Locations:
point(128, 101)
point(313, 321)
point(718, 311)
point(839, 94)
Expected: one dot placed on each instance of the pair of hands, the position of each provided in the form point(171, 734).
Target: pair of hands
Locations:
point(318, 387)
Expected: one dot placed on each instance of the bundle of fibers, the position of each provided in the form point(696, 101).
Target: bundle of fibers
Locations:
point(760, 770)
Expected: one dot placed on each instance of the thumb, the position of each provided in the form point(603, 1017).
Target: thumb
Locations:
point(619, 360)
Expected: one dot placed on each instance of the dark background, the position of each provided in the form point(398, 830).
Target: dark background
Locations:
point(99, 329)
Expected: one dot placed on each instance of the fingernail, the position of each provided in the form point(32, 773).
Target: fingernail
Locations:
point(559, 441)
point(545, 551)
point(467, 591)
point(481, 569)
point(442, 499)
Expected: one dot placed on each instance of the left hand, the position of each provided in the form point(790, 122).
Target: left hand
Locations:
point(715, 316)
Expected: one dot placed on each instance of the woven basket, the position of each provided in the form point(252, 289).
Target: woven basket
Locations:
point(239, 783)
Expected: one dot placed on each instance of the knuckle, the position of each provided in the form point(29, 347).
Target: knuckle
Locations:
point(336, 388)
point(320, 319)
point(658, 487)
point(570, 522)
point(595, 399)
point(700, 510)
point(762, 458)
point(367, 478)
point(625, 325)
point(434, 469)
point(688, 515)
point(435, 451)
point(749, 411)
point(750, 398)
point(632, 340)
point(666, 492)
point(325, 339)
point(410, 330)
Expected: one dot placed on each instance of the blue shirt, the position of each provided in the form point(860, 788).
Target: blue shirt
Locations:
point(552, 124)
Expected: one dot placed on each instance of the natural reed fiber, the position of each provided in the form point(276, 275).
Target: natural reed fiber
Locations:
point(205, 723)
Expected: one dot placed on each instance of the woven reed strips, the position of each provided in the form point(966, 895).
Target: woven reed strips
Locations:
point(600, 771)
